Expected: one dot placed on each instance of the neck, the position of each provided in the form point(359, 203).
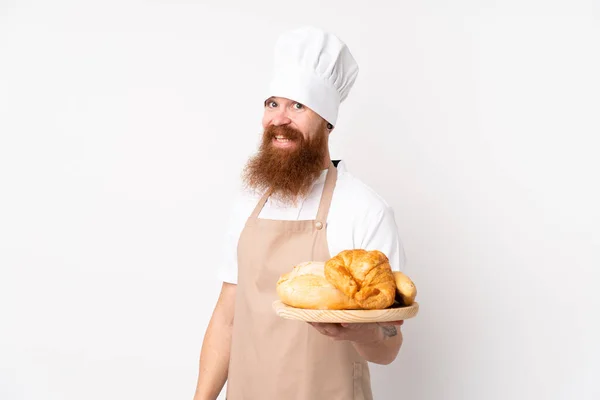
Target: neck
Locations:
point(326, 160)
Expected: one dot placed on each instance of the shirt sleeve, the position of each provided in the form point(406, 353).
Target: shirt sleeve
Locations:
point(227, 270)
point(382, 234)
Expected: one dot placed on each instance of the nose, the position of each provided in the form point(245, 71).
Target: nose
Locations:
point(280, 118)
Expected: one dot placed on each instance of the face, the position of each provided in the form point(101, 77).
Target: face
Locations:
point(293, 153)
point(283, 112)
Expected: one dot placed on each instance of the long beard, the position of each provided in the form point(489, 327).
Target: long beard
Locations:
point(288, 172)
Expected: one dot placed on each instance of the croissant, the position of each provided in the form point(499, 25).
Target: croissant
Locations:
point(364, 276)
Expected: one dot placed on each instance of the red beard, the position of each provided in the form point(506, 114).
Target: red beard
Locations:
point(288, 172)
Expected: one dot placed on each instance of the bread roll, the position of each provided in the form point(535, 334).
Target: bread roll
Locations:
point(306, 287)
point(365, 276)
point(407, 291)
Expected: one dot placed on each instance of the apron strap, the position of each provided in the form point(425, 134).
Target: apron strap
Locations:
point(261, 203)
point(327, 195)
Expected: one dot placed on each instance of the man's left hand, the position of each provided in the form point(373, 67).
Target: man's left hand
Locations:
point(358, 333)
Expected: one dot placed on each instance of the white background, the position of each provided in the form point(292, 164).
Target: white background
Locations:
point(123, 129)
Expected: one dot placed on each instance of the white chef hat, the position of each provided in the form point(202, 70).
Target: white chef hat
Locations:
point(314, 68)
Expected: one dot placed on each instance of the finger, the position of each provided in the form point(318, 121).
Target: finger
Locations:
point(320, 330)
point(327, 329)
point(317, 326)
point(332, 329)
point(352, 326)
point(392, 323)
point(325, 325)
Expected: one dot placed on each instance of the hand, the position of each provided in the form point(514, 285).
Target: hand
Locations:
point(359, 333)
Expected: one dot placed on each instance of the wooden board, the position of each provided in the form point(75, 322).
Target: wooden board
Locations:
point(349, 316)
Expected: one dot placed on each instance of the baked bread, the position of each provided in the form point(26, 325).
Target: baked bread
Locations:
point(362, 275)
point(306, 287)
point(406, 289)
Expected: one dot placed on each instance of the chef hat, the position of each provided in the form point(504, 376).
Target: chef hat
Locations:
point(314, 68)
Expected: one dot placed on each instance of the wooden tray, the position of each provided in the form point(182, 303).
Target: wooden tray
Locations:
point(349, 316)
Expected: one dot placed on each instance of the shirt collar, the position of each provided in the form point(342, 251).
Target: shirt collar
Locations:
point(341, 167)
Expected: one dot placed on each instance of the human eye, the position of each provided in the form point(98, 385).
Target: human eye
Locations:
point(271, 103)
point(298, 106)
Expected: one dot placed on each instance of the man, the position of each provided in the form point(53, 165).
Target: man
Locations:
point(299, 206)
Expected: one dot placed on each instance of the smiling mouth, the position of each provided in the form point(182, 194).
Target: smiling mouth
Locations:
point(282, 139)
point(283, 142)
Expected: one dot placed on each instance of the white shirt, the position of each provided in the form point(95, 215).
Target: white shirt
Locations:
point(358, 219)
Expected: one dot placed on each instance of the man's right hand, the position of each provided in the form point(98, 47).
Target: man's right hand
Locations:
point(214, 356)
